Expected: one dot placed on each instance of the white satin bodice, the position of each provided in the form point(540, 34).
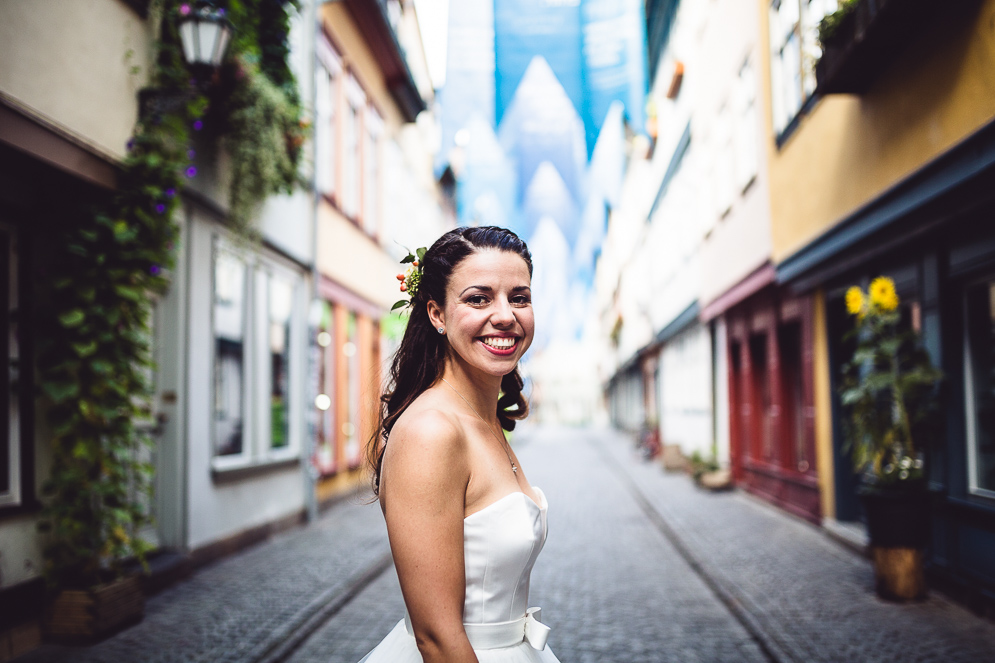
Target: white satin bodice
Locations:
point(500, 545)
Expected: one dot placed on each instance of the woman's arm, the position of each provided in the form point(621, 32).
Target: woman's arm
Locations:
point(423, 487)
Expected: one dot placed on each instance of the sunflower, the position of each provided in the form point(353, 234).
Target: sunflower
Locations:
point(882, 293)
point(854, 300)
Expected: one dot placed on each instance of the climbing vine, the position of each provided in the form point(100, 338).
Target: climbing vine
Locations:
point(94, 343)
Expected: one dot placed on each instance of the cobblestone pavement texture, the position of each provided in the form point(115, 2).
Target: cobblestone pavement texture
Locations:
point(611, 581)
point(236, 609)
point(807, 597)
point(611, 587)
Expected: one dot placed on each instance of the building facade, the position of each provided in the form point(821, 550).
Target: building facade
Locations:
point(269, 350)
point(376, 195)
point(868, 178)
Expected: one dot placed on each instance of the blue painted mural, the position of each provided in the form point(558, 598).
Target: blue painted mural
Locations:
point(538, 98)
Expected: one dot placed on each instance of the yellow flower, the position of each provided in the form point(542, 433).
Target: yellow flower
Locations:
point(882, 293)
point(854, 300)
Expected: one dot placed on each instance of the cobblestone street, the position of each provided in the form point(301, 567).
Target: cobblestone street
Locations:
point(639, 566)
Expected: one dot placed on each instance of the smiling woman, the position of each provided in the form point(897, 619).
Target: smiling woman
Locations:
point(440, 456)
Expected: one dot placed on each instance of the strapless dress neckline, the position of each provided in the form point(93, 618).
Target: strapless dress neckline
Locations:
point(501, 543)
point(542, 505)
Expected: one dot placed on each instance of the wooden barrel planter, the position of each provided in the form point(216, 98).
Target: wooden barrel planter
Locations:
point(898, 528)
point(86, 615)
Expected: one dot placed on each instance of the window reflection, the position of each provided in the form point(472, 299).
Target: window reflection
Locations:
point(280, 308)
point(229, 352)
point(980, 378)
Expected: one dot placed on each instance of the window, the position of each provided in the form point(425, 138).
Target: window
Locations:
point(326, 107)
point(371, 172)
point(352, 157)
point(745, 135)
point(979, 377)
point(10, 439)
point(280, 297)
point(794, 52)
point(256, 358)
point(229, 352)
point(725, 164)
point(327, 452)
point(793, 395)
point(350, 428)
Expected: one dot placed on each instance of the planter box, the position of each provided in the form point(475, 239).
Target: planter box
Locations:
point(873, 36)
point(90, 614)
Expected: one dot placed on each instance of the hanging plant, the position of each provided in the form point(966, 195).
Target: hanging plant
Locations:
point(95, 305)
point(264, 134)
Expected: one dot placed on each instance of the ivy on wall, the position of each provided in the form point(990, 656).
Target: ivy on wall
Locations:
point(94, 337)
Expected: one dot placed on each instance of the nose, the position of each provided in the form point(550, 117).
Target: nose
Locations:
point(503, 315)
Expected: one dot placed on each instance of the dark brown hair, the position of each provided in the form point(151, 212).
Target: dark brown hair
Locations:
point(419, 361)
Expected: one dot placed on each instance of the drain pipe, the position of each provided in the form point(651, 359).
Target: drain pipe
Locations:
point(314, 309)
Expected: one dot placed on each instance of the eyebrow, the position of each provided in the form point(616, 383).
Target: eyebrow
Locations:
point(487, 288)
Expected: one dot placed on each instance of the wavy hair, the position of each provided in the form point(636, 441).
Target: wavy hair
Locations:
point(419, 361)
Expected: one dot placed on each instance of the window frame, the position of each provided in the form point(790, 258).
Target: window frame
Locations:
point(221, 461)
point(352, 147)
point(970, 403)
point(804, 30)
point(372, 157)
point(257, 446)
point(327, 116)
point(10, 404)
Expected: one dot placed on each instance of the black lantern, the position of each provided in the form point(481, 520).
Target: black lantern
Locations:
point(204, 33)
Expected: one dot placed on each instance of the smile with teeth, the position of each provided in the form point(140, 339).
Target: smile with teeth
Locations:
point(499, 342)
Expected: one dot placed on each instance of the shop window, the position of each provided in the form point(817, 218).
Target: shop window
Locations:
point(762, 444)
point(979, 373)
point(794, 51)
point(281, 306)
point(351, 427)
point(10, 461)
point(256, 322)
point(793, 388)
point(229, 352)
point(327, 451)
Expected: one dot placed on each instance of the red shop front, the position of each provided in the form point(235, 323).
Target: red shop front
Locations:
point(772, 413)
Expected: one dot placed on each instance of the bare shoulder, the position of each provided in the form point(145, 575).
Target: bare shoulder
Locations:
point(426, 446)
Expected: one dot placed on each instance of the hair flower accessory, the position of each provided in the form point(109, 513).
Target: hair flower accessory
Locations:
point(411, 278)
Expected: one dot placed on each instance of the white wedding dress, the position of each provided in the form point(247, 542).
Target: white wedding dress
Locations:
point(500, 545)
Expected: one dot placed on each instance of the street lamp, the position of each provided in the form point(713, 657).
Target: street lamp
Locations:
point(204, 33)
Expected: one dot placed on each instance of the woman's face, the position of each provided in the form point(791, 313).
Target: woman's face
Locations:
point(488, 314)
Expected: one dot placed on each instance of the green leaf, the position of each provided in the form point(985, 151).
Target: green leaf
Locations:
point(72, 318)
point(85, 349)
point(134, 294)
point(398, 304)
point(421, 253)
point(60, 391)
point(408, 258)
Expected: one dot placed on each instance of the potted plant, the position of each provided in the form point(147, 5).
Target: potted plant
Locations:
point(888, 392)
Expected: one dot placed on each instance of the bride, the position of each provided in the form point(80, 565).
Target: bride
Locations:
point(465, 525)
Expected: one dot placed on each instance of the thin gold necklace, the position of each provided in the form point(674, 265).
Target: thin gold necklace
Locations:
point(504, 442)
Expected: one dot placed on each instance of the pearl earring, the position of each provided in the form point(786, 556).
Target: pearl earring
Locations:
point(442, 330)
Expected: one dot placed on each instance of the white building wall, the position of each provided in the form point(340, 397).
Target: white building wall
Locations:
point(685, 391)
point(87, 52)
point(220, 503)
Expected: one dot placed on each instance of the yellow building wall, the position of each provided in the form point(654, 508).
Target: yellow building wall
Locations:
point(849, 149)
